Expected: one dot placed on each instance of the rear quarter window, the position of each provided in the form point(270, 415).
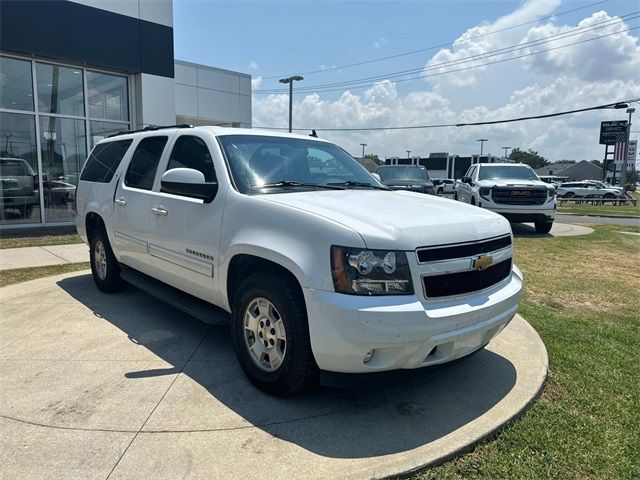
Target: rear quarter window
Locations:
point(104, 161)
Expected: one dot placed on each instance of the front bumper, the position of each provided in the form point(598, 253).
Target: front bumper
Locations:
point(522, 213)
point(405, 332)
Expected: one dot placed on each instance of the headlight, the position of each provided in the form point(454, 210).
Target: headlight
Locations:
point(358, 271)
point(485, 192)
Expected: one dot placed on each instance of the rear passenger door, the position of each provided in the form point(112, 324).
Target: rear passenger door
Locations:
point(184, 243)
point(132, 203)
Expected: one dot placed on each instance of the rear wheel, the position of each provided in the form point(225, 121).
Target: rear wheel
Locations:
point(271, 334)
point(543, 226)
point(104, 266)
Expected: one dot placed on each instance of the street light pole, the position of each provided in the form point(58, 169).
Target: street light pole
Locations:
point(363, 145)
point(623, 174)
point(505, 151)
point(482, 140)
point(408, 154)
point(290, 80)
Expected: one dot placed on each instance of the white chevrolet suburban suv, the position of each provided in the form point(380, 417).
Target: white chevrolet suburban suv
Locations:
point(512, 190)
point(319, 269)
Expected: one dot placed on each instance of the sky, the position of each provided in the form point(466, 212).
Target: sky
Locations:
point(461, 64)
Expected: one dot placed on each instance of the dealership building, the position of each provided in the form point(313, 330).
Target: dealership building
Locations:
point(75, 72)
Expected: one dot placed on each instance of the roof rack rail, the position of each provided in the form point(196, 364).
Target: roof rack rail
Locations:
point(151, 128)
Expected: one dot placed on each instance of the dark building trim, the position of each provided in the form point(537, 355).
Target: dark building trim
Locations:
point(75, 33)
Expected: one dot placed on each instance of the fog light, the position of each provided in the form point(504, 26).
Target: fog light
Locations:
point(368, 356)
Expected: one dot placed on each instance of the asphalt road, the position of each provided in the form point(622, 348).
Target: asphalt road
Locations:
point(631, 222)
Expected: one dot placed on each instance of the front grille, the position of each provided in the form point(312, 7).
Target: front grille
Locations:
point(451, 251)
point(519, 196)
point(465, 282)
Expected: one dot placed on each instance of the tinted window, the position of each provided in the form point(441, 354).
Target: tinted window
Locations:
point(144, 163)
point(191, 152)
point(516, 172)
point(104, 161)
point(402, 173)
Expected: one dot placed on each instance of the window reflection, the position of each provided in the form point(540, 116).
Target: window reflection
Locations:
point(19, 190)
point(63, 147)
point(107, 96)
point(60, 90)
point(15, 84)
point(101, 130)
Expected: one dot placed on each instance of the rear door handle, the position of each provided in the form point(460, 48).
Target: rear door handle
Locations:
point(120, 202)
point(159, 211)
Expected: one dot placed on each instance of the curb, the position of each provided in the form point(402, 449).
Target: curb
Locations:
point(598, 216)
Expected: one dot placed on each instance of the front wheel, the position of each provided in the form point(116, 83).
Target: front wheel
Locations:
point(104, 266)
point(271, 334)
point(543, 226)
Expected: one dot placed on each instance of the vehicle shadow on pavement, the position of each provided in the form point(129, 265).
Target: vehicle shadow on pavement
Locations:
point(527, 230)
point(404, 413)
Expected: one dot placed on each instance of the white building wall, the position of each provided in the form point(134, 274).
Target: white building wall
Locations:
point(211, 96)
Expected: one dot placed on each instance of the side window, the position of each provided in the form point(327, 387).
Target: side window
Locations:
point(143, 166)
point(104, 161)
point(470, 172)
point(191, 152)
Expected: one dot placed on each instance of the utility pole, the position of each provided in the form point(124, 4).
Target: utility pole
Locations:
point(482, 140)
point(363, 145)
point(505, 151)
point(290, 80)
point(623, 174)
point(408, 154)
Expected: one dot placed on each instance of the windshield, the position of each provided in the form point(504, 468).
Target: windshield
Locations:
point(403, 173)
point(257, 161)
point(507, 172)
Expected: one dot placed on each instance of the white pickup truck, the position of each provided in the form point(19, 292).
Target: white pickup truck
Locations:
point(319, 269)
point(510, 189)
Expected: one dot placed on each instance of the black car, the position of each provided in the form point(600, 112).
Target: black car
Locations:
point(413, 178)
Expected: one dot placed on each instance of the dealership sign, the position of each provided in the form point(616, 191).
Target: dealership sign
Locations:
point(613, 132)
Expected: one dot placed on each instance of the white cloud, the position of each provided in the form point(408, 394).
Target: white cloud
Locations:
point(592, 73)
point(380, 42)
point(253, 65)
point(256, 82)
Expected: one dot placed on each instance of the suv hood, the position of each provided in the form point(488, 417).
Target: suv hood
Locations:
point(396, 219)
point(516, 182)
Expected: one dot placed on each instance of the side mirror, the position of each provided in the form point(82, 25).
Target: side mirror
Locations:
point(376, 176)
point(466, 180)
point(188, 182)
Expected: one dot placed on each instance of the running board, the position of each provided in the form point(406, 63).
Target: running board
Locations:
point(203, 311)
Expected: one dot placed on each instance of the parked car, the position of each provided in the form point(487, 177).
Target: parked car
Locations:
point(605, 185)
point(413, 178)
point(587, 189)
point(443, 185)
point(18, 186)
point(317, 271)
point(510, 189)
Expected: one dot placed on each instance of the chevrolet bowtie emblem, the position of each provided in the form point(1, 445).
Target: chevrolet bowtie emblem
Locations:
point(482, 262)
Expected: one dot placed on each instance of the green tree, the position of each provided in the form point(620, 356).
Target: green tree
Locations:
point(597, 163)
point(530, 157)
point(374, 157)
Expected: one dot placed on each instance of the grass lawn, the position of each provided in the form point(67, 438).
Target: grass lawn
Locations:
point(582, 296)
point(8, 277)
point(9, 240)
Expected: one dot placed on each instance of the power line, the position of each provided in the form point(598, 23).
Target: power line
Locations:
point(476, 66)
point(442, 45)
point(468, 124)
point(489, 54)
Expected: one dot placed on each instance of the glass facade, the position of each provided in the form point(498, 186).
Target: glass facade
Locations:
point(50, 117)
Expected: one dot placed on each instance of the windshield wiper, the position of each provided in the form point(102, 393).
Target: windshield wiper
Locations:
point(289, 183)
point(353, 183)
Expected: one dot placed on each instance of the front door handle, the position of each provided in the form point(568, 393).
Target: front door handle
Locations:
point(120, 202)
point(159, 211)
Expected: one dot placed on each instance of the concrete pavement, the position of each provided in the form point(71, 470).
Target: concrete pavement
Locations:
point(124, 386)
point(42, 256)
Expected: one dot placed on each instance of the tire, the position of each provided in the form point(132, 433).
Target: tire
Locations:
point(455, 195)
point(543, 227)
point(440, 192)
point(293, 367)
point(104, 266)
point(473, 200)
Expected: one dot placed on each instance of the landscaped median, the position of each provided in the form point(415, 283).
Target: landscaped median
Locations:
point(604, 210)
point(581, 295)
